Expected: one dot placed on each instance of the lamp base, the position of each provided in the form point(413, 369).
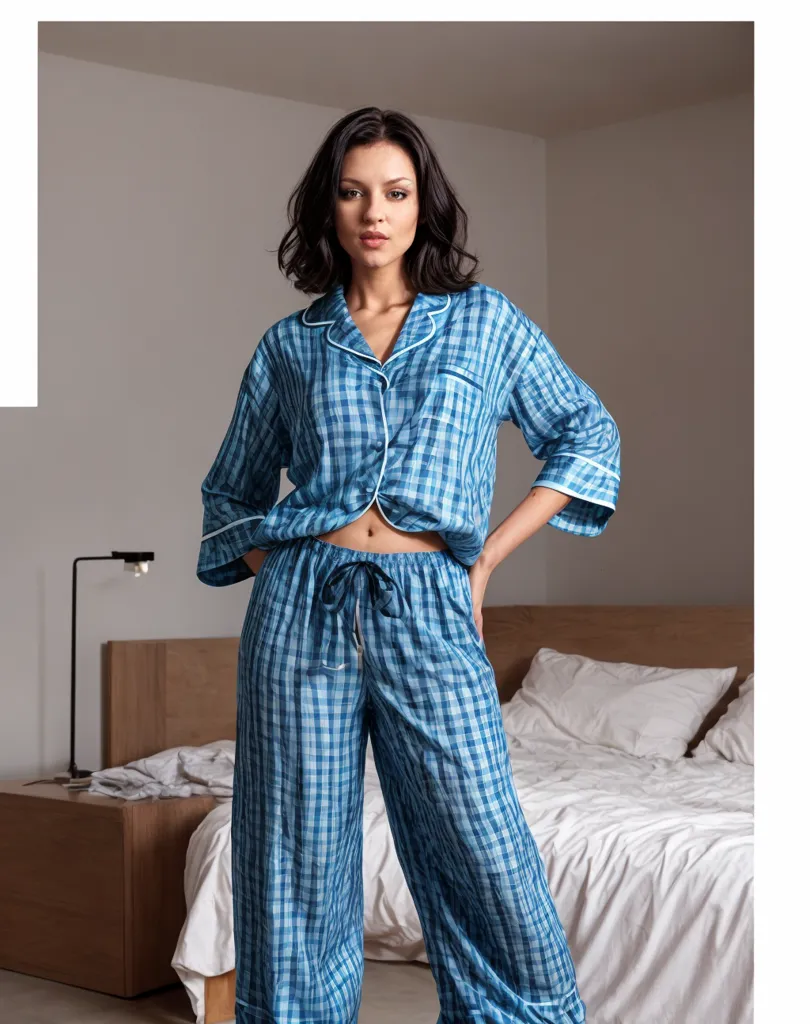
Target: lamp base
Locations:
point(80, 773)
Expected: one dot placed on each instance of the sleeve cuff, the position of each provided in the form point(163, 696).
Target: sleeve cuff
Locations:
point(593, 490)
point(220, 561)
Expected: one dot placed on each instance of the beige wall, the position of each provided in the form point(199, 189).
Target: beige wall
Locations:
point(158, 199)
point(651, 291)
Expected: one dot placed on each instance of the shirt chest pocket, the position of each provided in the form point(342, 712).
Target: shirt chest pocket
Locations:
point(450, 412)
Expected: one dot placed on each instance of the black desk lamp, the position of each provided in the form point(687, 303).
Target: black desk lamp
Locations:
point(134, 561)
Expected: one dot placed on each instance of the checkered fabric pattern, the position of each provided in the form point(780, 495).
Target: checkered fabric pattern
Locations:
point(416, 433)
point(423, 692)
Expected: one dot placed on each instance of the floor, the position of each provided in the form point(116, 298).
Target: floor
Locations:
point(393, 993)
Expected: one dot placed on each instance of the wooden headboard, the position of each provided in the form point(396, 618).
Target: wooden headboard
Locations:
point(169, 693)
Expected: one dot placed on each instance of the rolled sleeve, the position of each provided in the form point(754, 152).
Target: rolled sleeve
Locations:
point(565, 423)
point(243, 483)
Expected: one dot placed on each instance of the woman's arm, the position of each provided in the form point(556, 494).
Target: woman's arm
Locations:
point(243, 483)
point(254, 559)
point(539, 505)
point(566, 426)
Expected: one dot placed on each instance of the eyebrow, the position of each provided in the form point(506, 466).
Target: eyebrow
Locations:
point(391, 181)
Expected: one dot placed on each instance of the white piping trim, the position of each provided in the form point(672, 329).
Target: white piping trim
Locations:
point(248, 519)
point(351, 350)
point(385, 448)
point(322, 323)
point(385, 459)
point(565, 490)
point(556, 1002)
point(385, 517)
point(574, 455)
point(431, 314)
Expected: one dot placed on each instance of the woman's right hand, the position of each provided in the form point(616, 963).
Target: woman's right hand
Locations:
point(254, 559)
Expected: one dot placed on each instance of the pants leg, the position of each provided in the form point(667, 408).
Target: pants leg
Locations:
point(297, 822)
point(496, 946)
point(424, 691)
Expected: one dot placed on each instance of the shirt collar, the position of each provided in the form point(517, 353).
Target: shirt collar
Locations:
point(426, 315)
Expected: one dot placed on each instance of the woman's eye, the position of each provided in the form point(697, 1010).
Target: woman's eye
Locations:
point(344, 193)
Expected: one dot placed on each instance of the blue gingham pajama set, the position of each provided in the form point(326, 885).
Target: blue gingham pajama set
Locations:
point(341, 646)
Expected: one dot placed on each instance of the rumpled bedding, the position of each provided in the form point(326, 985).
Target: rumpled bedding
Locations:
point(205, 770)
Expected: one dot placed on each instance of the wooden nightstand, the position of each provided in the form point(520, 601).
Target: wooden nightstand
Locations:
point(91, 887)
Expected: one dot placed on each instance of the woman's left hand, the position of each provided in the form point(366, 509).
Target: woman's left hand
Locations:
point(479, 577)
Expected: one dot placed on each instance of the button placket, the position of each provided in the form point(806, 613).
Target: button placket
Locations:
point(380, 445)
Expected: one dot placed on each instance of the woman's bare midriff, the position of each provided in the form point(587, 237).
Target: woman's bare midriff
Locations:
point(372, 533)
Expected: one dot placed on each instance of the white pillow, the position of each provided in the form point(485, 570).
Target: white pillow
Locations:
point(642, 710)
point(732, 737)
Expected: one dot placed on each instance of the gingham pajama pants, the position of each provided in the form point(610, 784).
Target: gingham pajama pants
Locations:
point(339, 645)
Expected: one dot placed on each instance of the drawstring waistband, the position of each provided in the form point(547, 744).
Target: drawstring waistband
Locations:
point(386, 596)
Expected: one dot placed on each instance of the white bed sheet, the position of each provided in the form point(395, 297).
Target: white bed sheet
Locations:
point(650, 864)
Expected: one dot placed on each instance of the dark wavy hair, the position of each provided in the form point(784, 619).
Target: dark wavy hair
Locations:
point(310, 254)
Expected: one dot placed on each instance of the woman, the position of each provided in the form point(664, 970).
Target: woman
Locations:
point(382, 399)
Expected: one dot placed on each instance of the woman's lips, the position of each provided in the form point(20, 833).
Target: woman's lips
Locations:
point(373, 243)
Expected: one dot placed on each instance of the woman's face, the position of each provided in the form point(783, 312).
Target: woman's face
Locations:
point(377, 192)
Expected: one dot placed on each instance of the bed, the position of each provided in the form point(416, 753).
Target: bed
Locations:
point(650, 863)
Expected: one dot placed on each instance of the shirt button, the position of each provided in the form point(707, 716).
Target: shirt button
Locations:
point(378, 447)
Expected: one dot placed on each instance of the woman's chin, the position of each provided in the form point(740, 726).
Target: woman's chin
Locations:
point(370, 258)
